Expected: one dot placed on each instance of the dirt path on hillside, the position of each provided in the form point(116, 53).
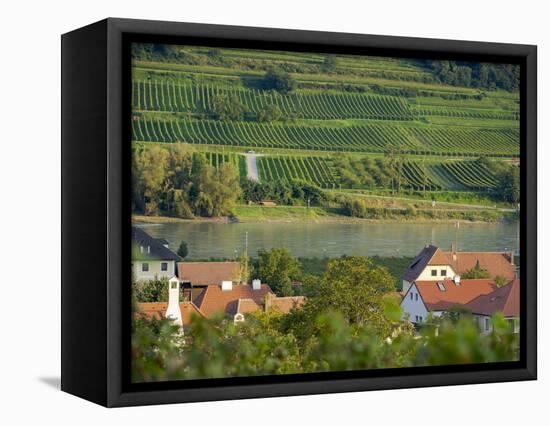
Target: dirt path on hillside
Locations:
point(252, 167)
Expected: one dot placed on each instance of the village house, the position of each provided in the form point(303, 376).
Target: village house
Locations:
point(180, 312)
point(434, 264)
point(479, 297)
point(437, 297)
point(232, 300)
point(196, 276)
point(504, 300)
point(432, 285)
point(151, 257)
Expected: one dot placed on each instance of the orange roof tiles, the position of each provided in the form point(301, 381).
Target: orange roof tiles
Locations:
point(214, 300)
point(284, 305)
point(281, 305)
point(158, 310)
point(208, 273)
point(504, 299)
point(496, 263)
point(437, 300)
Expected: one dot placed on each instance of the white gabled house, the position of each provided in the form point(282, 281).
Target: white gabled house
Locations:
point(151, 257)
point(434, 264)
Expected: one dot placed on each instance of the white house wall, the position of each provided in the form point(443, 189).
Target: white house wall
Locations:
point(426, 274)
point(154, 269)
point(413, 307)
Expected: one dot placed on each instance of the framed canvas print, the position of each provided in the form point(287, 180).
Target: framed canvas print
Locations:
point(253, 212)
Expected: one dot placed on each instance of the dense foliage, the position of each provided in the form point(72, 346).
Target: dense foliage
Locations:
point(217, 348)
point(178, 182)
point(278, 80)
point(473, 74)
point(278, 268)
point(283, 192)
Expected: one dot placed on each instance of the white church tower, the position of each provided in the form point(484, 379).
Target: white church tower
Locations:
point(174, 311)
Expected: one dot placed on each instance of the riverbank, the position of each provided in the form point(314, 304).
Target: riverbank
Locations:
point(299, 214)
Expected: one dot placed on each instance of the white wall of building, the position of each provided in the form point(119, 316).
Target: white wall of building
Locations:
point(413, 307)
point(155, 269)
point(441, 272)
point(427, 274)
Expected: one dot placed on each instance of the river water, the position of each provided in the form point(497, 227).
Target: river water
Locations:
point(221, 240)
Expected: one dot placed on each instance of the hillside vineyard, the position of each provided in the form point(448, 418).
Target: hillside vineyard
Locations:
point(364, 107)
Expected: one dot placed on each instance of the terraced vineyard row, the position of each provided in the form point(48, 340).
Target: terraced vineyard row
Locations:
point(423, 111)
point(173, 97)
point(216, 159)
point(468, 174)
point(366, 138)
point(450, 175)
point(311, 169)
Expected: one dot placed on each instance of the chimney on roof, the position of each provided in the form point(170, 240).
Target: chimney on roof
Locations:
point(457, 279)
point(511, 255)
point(256, 284)
point(174, 312)
point(227, 285)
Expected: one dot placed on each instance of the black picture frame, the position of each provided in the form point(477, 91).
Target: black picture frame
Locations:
point(96, 212)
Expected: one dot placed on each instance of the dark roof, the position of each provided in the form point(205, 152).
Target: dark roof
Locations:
point(419, 263)
point(504, 299)
point(153, 249)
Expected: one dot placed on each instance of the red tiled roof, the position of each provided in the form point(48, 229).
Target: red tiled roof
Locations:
point(284, 305)
point(245, 306)
point(496, 263)
point(208, 273)
point(504, 299)
point(214, 300)
point(281, 305)
point(158, 310)
point(437, 300)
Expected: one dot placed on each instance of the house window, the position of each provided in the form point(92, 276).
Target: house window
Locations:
point(420, 319)
point(164, 266)
point(416, 318)
point(174, 285)
point(487, 324)
point(412, 295)
point(416, 297)
point(443, 272)
point(144, 267)
point(434, 273)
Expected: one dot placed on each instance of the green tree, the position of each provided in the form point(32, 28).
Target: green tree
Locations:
point(508, 185)
point(151, 290)
point(227, 107)
point(183, 250)
point(214, 191)
point(278, 80)
point(149, 172)
point(278, 269)
point(270, 113)
point(500, 281)
point(476, 272)
point(355, 287)
point(330, 63)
